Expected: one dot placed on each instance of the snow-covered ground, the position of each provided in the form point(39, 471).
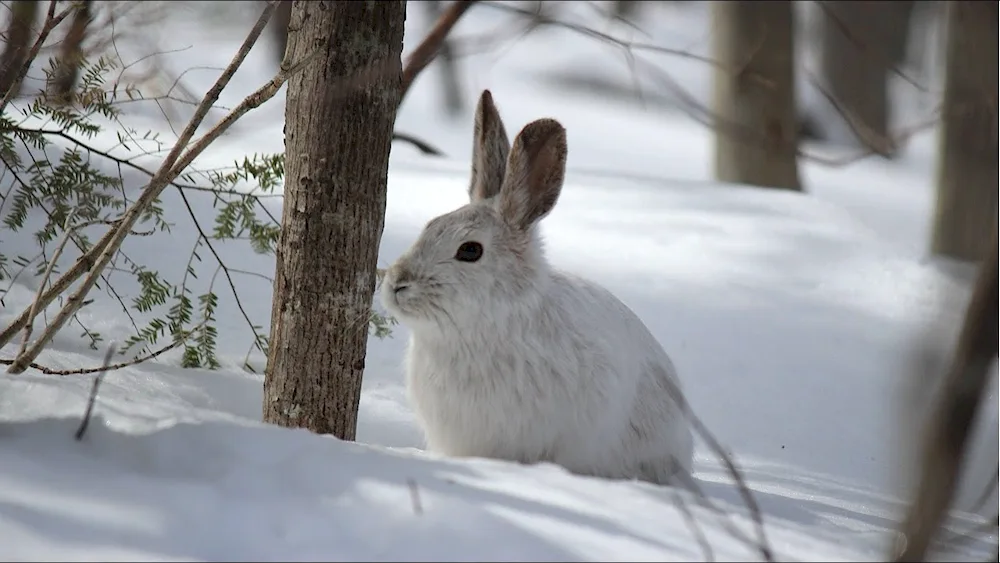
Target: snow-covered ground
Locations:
point(793, 320)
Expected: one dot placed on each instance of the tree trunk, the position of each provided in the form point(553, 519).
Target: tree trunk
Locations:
point(338, 132)
point(861, 43)
point(754, 94)
point(967, 176)
point(67, 69)
point(23, 16)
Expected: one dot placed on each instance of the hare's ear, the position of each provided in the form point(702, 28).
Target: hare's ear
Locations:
point(490, 147)
point(535, 172)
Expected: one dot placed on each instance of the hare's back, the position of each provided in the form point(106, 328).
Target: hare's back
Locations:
point(594, 310)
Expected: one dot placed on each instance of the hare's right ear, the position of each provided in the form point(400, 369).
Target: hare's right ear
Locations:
point(490, 147)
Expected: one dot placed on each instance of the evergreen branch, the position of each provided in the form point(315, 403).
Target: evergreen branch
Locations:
point(99, 256)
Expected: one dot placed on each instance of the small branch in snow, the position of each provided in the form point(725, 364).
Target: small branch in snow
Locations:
point(725, 518)
point(741, 485)
point(692, 524)
point(756, 515)
point(93, 393)
point(418, 507)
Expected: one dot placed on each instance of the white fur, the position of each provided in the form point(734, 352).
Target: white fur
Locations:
point(511, 359)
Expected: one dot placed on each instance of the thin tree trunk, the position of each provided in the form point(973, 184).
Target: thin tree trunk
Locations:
point(967, 176)
point(64, 76)
point(23, 16)
point(754, 99)
point(337, 139)
point(861, 42)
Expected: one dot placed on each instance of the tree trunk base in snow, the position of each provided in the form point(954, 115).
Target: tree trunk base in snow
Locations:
point(338, 132)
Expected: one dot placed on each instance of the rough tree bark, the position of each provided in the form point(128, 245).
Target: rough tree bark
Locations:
point(754, 94)
point(23, 16)
point(861, 43)
point(338, 131)
point(967, 154)
point(67, 70)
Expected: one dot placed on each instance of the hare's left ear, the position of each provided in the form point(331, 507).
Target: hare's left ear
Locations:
point(489, 150)
point(536, 168)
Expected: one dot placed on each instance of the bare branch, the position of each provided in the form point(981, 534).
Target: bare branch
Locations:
point(756, 515)
point(93, 393)
point(878, 54)
point(422, 146)
point(418, 507)
point(878, 144)
point(222, 265)
point(429, 47)
point(692, 524)
point(180, 339)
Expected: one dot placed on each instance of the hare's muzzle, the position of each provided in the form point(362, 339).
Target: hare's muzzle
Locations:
point(397, 281)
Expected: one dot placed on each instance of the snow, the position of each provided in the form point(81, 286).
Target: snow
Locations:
point(793, 320)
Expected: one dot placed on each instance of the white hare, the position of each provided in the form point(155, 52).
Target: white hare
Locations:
point(511, 359)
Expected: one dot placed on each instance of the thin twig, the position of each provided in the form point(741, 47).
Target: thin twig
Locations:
point(67, 233)
point(692, 524)
point(631, 45)
point(741, 485)
point(180, 339)
point(725, 517)
point(225, 269)
point(879, 54)
point(418, 507)
point(422, 146)
point(879, 144)
point(699, 427)
point(93, 393)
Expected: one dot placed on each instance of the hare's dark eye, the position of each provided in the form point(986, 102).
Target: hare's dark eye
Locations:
point(469, 252)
